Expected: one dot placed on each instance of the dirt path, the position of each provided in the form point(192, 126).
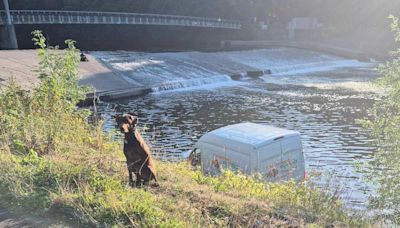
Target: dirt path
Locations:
point(12, 220)
point(8, 219)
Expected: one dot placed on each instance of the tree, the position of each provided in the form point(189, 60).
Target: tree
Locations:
point(385, 128)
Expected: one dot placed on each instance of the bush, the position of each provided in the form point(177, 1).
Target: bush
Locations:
point(42, 120)
point(385, 167)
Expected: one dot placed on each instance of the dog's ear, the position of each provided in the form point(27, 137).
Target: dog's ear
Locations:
point(132, 119)
point(116, 117)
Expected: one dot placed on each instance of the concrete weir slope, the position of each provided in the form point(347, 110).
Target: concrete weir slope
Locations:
point(120, 74)
point(180, 70)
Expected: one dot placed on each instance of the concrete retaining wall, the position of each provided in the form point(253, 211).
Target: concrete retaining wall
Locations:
point(329, 49)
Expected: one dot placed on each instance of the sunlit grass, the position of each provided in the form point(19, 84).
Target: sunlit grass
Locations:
point(100, 195)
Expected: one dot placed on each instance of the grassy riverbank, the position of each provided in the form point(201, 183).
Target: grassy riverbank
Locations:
point(93, 187)
point(53, 160)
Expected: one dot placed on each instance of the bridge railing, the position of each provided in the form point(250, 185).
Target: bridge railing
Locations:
point(88, 17)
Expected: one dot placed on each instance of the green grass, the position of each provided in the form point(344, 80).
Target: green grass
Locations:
point(99, 195)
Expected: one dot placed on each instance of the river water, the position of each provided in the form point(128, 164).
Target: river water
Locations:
point(320, 96)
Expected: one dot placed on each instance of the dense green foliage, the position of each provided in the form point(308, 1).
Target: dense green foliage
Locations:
point(36, 121)
point(52, 159)
point(385, 126)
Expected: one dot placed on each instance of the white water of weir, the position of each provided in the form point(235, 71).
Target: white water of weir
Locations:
point(317, 67)
point(192, 83)
point(185, 70)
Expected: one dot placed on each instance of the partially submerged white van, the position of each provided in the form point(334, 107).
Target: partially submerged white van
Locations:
point(275, 153)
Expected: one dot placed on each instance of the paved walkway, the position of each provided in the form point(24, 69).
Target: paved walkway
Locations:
point(21, 64)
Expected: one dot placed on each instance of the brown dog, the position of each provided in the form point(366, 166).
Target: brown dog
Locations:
point(137, 152)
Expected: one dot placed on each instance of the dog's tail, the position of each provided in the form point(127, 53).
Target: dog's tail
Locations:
point(150, 165)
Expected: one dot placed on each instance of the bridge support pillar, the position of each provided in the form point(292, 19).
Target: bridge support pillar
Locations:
point(7, 32)
point(8, 37)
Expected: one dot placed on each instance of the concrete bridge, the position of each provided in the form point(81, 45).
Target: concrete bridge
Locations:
point(9, 18)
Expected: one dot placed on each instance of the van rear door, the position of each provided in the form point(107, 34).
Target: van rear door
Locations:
point(292, 164)
point(269, 158)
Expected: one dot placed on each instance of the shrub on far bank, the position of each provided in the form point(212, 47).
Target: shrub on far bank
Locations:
point(51, 159)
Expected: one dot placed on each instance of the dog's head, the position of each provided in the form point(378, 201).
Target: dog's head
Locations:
point(126, 122)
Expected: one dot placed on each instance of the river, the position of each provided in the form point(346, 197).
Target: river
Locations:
point(321, 96)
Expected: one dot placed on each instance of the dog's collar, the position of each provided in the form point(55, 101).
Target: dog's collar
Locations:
point(130, 132)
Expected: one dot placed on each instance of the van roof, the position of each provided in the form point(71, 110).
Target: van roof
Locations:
point(247, 134)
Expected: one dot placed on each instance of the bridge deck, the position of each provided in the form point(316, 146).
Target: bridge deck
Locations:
point(86, 17)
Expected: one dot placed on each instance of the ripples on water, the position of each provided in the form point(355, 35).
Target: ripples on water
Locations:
point(327, 117)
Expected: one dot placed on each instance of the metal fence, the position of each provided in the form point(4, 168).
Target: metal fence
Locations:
point(87, 17)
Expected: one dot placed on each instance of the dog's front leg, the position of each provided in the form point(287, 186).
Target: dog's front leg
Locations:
point(131, 183)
